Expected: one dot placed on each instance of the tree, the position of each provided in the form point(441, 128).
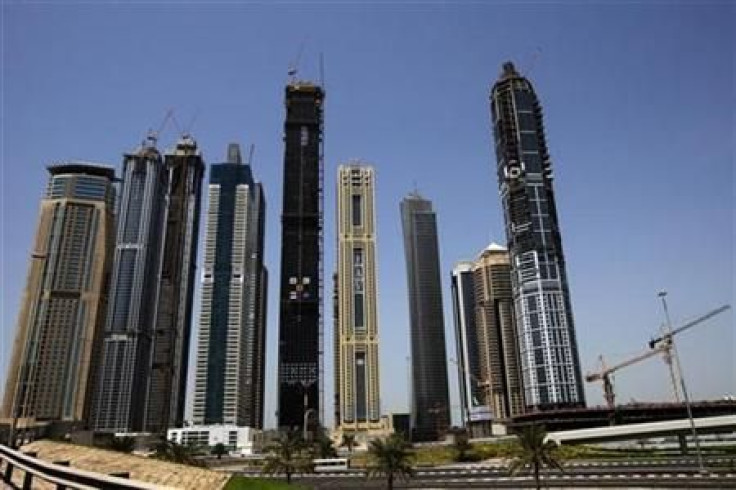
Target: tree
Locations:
point(219, 450)
point(323, 446)
point(462, 445)
point(348, 440)
point(391, 457)
point(176, 453)
point(535, 452)
point(288, 456)
point(124, 444)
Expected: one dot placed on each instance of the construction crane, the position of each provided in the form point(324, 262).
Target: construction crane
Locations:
point(661, 344)
point(606, 372)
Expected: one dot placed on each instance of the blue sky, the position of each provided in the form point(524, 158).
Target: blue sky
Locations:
point(639, 110)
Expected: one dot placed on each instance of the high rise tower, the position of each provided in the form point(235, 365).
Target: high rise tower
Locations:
point(121, 398)
point(184, 169)
point(431, 402)
point(357, 324)
point(51, 374)
point(471, 381)
point(232, 328)
point(300, 320)
point(547, 344)
point(496, 333)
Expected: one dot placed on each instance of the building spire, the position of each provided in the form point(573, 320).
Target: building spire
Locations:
point(509, 71)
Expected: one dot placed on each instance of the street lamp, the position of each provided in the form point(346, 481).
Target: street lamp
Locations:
point(668, 327)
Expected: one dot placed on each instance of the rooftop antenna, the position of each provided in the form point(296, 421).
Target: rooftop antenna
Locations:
point(294, 65)
point(250, 154)
point(322, 70)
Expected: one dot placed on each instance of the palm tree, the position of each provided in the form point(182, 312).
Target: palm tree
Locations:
point(124, 444)
point(391, 457)
point(287, 456)
point(219, 450)
point(535, 452)
point(462, 445)
point(176, 453)
point(323, 446)
point(348, 440)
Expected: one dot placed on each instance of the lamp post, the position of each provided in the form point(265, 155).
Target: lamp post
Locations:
point(668, 327)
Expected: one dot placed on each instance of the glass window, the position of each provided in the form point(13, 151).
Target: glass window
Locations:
point(357, 210)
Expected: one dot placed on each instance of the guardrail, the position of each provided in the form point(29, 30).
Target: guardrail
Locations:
point(60, 474)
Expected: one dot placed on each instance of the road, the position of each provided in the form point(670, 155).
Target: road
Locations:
point(679, 473)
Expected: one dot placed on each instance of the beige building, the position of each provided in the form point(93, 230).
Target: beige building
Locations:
point(358, 408)
point(498, 350)
point(54, 360)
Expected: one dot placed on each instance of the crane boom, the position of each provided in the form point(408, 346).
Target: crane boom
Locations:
point(682, 328)
point(661, 344)
point(628, 362)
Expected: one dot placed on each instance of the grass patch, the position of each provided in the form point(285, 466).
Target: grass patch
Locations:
point(238, 482)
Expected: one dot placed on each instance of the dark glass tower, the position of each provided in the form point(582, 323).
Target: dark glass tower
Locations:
point(120, 400)
point(184, 169)
point(232, 327)
point(300, 321)
point(430, 398)
point(146, 346)
point(547, 345)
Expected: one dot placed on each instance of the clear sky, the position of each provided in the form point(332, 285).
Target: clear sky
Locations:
point(639, 110)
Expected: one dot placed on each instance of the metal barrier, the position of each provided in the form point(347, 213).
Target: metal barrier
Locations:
point(60, 474)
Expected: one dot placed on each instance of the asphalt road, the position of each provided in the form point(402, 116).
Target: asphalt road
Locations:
point(622, 474)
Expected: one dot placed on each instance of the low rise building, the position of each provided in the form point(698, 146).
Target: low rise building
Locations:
point(239, 441)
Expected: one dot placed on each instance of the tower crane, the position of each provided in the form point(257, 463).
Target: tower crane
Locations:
point(661, 344)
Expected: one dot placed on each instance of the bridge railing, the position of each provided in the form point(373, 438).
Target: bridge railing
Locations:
point(61, 475)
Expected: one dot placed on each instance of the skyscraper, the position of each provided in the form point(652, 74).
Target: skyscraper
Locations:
point(146, 347)
point(300, 320)
point(52, 369)
point(356, 370)
point(121, 398)
point(184, 169)
point(430, 399)
point(496, 333)
point(474, 410)
point(547, 345)
point(232, 327)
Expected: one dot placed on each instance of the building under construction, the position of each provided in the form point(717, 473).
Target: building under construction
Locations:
point(300, 320)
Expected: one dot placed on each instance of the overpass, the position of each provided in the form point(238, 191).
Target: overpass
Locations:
point(723, 423)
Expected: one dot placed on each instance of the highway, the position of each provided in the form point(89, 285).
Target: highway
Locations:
point(680, 473)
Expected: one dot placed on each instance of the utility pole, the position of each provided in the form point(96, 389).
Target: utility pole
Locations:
point(668, 326)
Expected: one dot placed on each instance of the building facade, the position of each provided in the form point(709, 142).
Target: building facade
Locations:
point(230, 367)
point(143, 376)
point(547, 345)
point(430, 400)
point(238, 441)
point(52, 368)
point(184, 169)
point(300, 298)
point(121, 398)
point(496, 334)
point(475, 414)
point(357, 387)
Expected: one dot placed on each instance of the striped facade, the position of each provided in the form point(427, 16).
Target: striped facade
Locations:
point(357, 387)
point(229, 385)
point(52, 368)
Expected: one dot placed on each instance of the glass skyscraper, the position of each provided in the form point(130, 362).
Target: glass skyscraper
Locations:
point(547, 346)
point(232, 327)
point(146, 347)
point(300, 321)
point(430, 399)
